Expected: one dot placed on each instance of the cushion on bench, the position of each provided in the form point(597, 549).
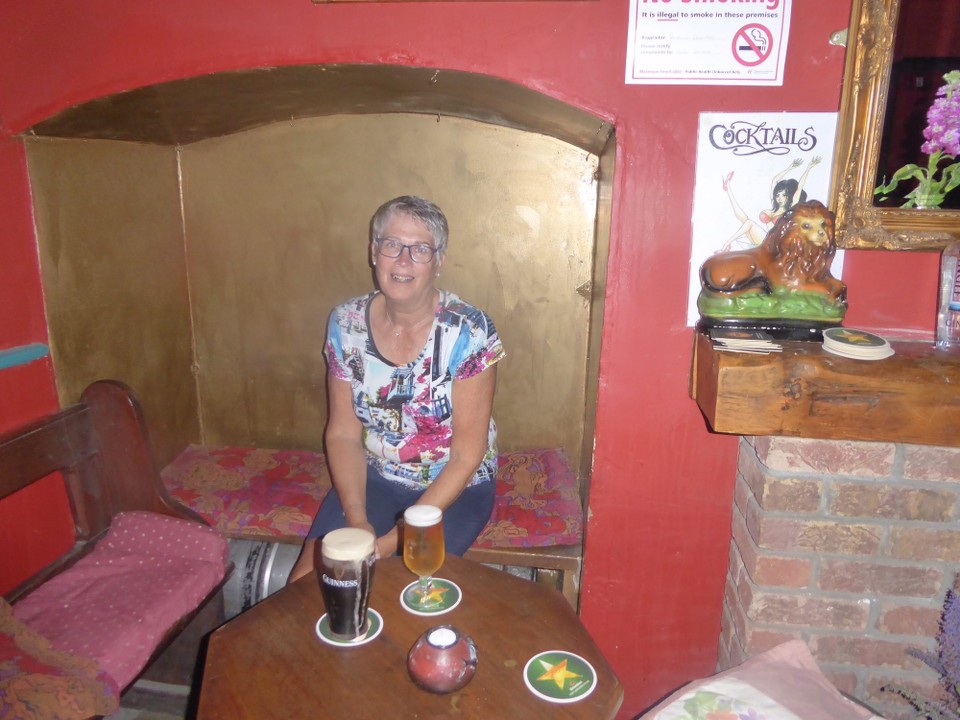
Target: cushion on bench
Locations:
point(116, 604)
point(250, 492)
point(538, 502)
point(260, 493)
point(38, 682)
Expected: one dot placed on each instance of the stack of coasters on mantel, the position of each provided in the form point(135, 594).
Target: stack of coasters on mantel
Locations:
point(857, 344)
point(748, 341)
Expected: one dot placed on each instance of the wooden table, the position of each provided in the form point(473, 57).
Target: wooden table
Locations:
point(268, 663)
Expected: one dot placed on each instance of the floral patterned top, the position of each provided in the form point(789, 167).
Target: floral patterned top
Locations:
point(407, 410)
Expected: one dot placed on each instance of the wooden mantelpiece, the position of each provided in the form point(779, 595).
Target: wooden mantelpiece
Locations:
point(912, 397)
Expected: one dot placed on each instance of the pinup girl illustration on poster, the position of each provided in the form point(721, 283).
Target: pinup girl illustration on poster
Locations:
point(784, 194)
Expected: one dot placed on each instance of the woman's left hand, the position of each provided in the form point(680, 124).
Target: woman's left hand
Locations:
point(387, 544)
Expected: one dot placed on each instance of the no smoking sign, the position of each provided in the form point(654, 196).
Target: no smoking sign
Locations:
point(752, 44)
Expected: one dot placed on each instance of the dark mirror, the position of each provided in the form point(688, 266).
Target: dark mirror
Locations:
point(898, 52)
point(921, 118)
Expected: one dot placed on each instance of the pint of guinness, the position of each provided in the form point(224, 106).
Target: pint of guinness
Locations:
point(345, 567)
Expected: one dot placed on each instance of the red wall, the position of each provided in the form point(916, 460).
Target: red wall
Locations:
point(27, 390)
point(658, 535)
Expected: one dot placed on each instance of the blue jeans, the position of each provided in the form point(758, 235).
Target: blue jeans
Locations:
point(463, 521)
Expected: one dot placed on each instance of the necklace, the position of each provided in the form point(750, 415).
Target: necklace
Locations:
point(397, 329)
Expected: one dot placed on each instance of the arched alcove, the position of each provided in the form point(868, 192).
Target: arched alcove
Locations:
point(194, 235)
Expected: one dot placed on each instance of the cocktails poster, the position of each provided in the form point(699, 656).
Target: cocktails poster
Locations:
point(751, 168)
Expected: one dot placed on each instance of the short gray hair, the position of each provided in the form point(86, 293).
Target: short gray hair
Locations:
point(425, 211)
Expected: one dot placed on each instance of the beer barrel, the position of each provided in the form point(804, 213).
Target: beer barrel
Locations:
point(260, 569)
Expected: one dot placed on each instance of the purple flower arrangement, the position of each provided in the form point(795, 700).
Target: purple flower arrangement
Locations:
point(946, 661)
point(942, 145)
point(943, 118)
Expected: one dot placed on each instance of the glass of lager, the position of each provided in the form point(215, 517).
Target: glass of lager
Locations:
point(345, 567)
point(423, 548)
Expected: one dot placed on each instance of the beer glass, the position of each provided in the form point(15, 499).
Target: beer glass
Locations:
point(423, 548)
point(345, 567)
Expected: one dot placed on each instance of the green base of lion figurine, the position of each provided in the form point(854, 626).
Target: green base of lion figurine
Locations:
point(781, 303)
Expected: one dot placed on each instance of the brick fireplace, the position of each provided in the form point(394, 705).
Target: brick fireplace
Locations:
point(850, 546)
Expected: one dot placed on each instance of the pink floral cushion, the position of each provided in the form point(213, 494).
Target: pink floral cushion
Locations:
point(538, 502)
point(250, 492)
point(259, 493)
point(116, 604)
point(39, 682)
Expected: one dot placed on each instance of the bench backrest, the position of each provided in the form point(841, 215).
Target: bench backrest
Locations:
point(101, 447)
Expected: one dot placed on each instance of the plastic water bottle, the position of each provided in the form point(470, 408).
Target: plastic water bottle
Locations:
point(948, 311)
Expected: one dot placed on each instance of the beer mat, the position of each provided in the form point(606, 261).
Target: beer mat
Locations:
point(881, 355)
point(374, 628)
point(857, 344)
point(559, 676)
point(444, 596)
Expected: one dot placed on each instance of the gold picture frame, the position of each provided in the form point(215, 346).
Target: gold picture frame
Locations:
point(866, 83)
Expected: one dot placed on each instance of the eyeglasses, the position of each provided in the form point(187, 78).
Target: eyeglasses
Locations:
point(393, 248)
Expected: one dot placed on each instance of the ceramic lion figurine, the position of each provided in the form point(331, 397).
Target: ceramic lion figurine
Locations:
point(787, 277)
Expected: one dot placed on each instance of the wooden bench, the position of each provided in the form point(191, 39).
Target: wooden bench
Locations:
point(141, 566)
point(258, 497)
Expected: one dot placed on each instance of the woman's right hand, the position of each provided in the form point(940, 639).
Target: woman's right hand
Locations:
point(305, 562)
point(365, 526)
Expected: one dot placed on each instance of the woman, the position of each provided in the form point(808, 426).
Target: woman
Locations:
point(784, 194)
point(410, 383)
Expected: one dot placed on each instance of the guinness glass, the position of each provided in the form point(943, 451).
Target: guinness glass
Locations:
point(345, 567)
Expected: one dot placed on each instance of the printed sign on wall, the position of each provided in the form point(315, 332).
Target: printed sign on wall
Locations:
point(751, 168)
point(707, 42)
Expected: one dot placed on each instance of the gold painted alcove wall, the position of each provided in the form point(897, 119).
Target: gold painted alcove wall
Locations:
point(202, 273)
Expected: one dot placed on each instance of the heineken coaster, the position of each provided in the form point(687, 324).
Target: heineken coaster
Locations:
point(444, 596)
point(559, 676)
point(858, 344)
